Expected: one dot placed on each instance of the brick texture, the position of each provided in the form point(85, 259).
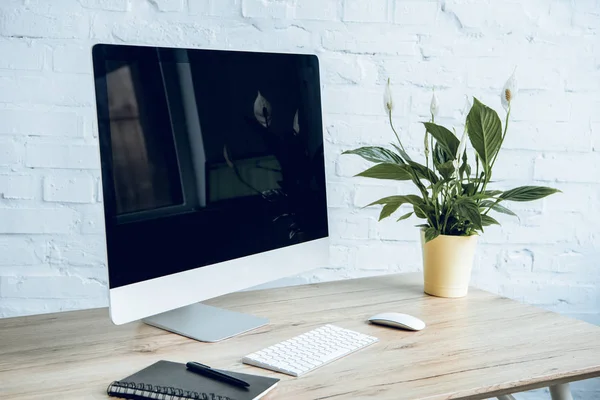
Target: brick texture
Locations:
point(51, 216)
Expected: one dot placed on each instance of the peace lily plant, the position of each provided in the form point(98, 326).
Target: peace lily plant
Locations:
point(454, 199)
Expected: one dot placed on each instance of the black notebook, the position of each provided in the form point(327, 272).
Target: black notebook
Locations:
point(170, 380)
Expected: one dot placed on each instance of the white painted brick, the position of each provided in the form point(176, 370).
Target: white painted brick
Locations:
point(21, 22)
point(72, 59)
point(584, 81)
point(341, 70)
point(324, 10)
point(371, 39)
point(108, 5)
point(53, 155)
point(349, 226)
point(338, 194)
point(249, 37)
point(416, 12)
point(484, 17)
point(30, 57)
point(80, 251)
point(584, 107)
point(57, 89)
point(548, 136)
point(425, 74)
point(20, 306)
point(72, 188)
point(551, 107)
point(168, 5)
point(513, 164)
point(340, 256)
point(92, 221)
point(587, 20)
point(563, 167)
point(11, 152)
point(38, 123)
point(391, 230)
point(370, 101)
point(551, 294)
point(366, 11)
point(17, 187)
point(51, 287)
point(221, 8)
point(19, 250)
point(401, 257)
point(367, 191)
point(350, 131)
point(37, 220)
point(280, 9)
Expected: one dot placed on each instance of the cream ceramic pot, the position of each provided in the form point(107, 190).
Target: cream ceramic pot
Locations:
point(447, 264)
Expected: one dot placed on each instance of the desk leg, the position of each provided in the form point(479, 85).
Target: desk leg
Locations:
point(506, 397)
point(561, 392)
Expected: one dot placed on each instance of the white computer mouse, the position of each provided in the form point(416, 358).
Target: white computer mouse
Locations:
point(397, 320)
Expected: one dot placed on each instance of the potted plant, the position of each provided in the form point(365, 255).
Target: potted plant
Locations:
point(453, 200)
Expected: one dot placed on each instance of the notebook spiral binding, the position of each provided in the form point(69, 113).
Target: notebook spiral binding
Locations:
point(141, 391)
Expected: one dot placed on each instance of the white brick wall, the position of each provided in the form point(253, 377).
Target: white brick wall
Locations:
point(51, 226)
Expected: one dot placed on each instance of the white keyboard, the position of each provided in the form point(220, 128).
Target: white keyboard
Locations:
point(309, 351)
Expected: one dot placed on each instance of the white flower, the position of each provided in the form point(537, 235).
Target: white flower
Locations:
point(467, 106)
point(388, 101)
point(509, 91)
point(434, 108)
point(461, 149)
point(262, 110)
point(296, 126)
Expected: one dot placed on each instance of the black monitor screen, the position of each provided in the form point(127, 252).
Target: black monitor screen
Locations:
point(207, 156)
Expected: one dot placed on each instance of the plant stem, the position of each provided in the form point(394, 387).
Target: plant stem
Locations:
point(394, 129)
point(490, 207)
point(503, 136)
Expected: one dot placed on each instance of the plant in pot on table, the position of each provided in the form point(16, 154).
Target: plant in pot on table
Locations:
point(454, 199)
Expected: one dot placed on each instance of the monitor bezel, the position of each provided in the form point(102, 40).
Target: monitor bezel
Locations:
point(149, 297)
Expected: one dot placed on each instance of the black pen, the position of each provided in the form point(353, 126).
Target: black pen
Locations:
point(205, 370)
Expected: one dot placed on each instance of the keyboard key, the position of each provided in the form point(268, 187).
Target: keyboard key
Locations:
point(311, 350)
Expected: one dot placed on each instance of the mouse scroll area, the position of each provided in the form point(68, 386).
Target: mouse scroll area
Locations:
point(398, 320)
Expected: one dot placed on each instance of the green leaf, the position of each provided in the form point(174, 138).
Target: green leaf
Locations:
point(468, 210)
point(376, 154)
point(440, 155)
point(405, 216)
point(388, 171)
point(469, 189)
point(402, 152)
point(465, 167)
point(492, 193)
point(400, 199)
point(444, 137)
point(419, 212)
point(423, 172)
point(485, 132)
point(486, 220)
point(482, 196)
point(388, 210)
point(430, 234)
point(497, 207)
point(528, 193)
point(446, 169)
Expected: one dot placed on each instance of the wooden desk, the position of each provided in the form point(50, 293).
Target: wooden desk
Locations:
point(473, 348)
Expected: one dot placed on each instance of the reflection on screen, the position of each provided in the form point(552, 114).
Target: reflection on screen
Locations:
point(213, 156)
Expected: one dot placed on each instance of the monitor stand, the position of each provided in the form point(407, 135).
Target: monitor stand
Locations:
point(205, 323)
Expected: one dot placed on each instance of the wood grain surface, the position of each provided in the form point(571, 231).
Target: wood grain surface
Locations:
point(472, 348)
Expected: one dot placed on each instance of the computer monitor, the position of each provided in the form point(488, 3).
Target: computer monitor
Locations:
point(213, 179)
